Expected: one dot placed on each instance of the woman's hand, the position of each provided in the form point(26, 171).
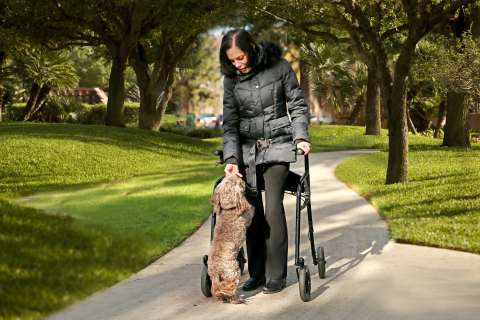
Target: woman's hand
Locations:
point(305, 146)
point(232, 170)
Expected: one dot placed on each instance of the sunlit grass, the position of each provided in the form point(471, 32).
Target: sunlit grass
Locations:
point(100, 225)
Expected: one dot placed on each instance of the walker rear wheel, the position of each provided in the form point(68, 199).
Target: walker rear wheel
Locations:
point(206, 282)
point(304, 283)
point(321, 262)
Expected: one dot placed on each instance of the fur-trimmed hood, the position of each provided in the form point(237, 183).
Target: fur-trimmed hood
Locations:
point(268, 56)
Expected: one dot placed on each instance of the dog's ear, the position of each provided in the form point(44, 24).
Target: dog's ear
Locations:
point(215, 202)
point(241, 203)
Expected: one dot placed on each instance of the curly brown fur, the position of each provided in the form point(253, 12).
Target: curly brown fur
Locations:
point(234, 216)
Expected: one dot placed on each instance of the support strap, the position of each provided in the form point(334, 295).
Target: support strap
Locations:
point(253, 170)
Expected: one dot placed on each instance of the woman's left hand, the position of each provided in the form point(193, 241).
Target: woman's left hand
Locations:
point(305, 146)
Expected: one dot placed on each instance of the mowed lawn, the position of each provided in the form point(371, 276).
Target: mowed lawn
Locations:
point(110, 225)
point(86, 206)
point(440, 204)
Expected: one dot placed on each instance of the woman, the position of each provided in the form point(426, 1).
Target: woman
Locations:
point(259, 142)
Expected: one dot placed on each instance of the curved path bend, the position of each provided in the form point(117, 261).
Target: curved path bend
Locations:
point(368, 276)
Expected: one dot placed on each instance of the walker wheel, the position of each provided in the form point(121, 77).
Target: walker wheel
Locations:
point(304, 283)
point(206, 282)
point(321, 262)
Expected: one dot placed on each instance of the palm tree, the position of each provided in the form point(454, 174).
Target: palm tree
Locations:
point(330, 73)
point(358, 83)
point(41, 70)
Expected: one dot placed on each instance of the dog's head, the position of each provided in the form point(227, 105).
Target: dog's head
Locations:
point(229, 194)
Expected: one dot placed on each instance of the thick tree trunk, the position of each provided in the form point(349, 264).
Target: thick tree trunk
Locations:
point(116, 89)
point(28, 111)
point(397, 169)
point(356, 111)
point(442, 113)
point(305, 85)
point(457, 128)
point(373, 118)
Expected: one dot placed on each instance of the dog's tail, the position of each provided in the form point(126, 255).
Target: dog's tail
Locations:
point(225, 290)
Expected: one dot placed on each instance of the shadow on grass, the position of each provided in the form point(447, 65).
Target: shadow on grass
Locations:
point(48, 263)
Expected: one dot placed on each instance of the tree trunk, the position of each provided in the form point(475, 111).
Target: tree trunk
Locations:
point(27, 112)
point(41, 99)
point(442, 113)
point(156, 87)
point(356, 111)
point(116, 89)
point(373, 119)
point(409, 121)
point(305, 85)
point(457, 127)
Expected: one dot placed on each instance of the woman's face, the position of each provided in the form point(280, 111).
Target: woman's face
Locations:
point(238, 58)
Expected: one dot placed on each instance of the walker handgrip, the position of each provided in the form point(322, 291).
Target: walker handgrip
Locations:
point(218, 153)
point(300, 152)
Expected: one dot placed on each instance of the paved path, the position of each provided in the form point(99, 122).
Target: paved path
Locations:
point(368, 276)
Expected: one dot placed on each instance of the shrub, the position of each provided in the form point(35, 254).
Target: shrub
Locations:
point(14, 111)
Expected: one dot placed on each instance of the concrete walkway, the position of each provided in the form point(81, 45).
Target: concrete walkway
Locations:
point(368, 276)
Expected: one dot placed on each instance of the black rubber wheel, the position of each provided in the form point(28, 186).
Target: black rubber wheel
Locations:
point(321, 262)
point(304, 283)
point(206, 282)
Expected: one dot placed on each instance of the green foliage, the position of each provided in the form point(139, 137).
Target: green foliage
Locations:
point(32, 65)
point(330, 73)
point(439, 206)
point(14, 111)
point(93, 71)
point(64, 108)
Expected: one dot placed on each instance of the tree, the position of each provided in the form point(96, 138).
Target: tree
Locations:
point(41, 70)
point(156, 58)
point(330, 73)
point(369, 25)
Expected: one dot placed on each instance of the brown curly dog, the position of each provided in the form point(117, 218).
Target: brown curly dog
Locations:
point(234, 216)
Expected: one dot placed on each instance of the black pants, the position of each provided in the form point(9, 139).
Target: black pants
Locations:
point(267, 237)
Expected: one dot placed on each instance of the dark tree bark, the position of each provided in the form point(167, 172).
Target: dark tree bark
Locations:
point(156, 86)
point(360, 103)
point(32, 100)
point(373, 119)
point(116, 86)
point(40, 103)
point(442, 113)
point(457, 127)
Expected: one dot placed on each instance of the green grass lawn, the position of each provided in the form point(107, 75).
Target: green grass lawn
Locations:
point(439, 206)
point(108, 201)
point(115, 224)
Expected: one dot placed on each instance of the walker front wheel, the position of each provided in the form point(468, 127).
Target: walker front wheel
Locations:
point(304, 283)
point(206, 282)
point(321, 262)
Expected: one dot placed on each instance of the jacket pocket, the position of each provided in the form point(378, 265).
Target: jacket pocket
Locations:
point(280, 127)
point(245, 128)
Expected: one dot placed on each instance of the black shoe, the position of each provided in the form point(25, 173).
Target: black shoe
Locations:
point(253, 283)
point(274, 285)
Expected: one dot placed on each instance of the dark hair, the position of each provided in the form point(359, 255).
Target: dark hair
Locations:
point(244, 41)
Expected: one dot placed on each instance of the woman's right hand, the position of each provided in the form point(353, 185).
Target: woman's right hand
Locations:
point(231, 169)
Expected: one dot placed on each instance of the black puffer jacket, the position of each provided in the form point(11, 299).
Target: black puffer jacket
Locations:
point(255, 107)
